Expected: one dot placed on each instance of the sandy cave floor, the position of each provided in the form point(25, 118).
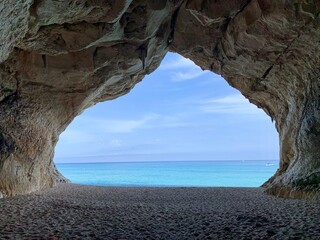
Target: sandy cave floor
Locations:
point(86, 212)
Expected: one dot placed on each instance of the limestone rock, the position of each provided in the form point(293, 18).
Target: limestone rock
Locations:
point(58, 58)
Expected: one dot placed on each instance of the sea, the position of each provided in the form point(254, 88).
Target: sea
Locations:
point(240, 173)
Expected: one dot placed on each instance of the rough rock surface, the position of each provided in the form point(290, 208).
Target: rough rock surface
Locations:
point(58, 58)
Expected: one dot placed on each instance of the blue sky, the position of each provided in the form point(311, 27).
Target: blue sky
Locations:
point(178, 112)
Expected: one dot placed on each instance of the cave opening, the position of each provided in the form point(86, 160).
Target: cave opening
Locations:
point(178, 115)
point(54, 65)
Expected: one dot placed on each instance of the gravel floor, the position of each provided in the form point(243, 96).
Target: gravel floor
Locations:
point(87, 212)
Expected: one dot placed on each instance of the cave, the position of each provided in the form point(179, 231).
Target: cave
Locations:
point(58, 58)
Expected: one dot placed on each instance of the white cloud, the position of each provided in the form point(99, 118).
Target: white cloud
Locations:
point(181, 69)
point(116, 142)
point(187, 75)
point(173, 120)
point(178, 62)
point(76, 136)
point(120, 125)
point(232, 104)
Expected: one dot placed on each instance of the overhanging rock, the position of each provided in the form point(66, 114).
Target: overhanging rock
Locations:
point(61, 57)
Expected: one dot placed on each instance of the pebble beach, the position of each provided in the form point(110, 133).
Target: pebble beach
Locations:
point(72, 211)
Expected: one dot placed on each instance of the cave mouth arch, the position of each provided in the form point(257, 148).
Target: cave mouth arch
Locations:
point(54, 65)
point(178, 113)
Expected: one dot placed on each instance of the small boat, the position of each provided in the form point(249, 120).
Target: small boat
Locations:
point(269, 164)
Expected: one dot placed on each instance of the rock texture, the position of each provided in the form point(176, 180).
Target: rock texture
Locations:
point(58, 58)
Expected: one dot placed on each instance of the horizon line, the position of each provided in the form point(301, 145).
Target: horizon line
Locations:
point(158, 161)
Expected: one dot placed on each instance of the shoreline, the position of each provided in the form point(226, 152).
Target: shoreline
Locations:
point(97, 212)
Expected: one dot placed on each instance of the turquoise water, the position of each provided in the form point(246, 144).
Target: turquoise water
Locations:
point(161, 174)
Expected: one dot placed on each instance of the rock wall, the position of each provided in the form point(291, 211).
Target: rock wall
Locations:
point(58, 58)
point(269, 50)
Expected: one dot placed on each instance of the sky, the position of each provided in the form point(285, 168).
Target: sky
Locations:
point(177, 113)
